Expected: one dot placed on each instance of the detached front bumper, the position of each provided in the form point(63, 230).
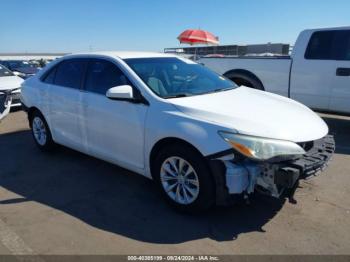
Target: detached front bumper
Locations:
point(237, 176)
point(316, 158)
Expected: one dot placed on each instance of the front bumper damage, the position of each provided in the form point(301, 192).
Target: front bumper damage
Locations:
point(236, 176)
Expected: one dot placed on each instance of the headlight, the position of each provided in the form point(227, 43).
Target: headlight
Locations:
point(261, 148)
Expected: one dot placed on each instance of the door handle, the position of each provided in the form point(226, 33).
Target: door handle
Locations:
point(341, 71)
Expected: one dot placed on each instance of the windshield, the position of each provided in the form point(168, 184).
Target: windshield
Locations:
point(175, 77)
point(5, 72)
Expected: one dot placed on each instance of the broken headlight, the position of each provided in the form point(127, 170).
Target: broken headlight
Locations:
point(259, 148)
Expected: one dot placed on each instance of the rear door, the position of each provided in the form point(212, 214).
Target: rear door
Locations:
point(340, 90)
point(65, 103)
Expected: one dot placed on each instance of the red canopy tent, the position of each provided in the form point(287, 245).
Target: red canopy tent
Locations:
point(195, 37)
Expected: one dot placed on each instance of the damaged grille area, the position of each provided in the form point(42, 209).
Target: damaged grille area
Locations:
point(316, 158)
point(306, 145)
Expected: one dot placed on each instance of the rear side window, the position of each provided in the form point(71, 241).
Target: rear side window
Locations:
point(329, 45)
point(320, 46)
point(49, 78)
point(102, 75)
point(69, 73)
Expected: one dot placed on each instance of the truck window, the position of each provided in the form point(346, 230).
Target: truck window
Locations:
point(320, 46)
point(342, 45)
point(329, 45)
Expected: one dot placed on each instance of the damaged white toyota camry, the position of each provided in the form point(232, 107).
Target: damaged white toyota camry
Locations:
point(202, 139)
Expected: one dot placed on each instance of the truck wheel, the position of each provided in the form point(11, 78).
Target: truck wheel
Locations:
point(184, 178)
point(245, 79)
point(41, 132)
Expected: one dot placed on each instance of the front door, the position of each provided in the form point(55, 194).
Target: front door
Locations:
point(114, 129)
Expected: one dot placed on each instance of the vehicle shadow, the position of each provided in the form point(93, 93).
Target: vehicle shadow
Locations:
point(113, 199)
point(340, 128)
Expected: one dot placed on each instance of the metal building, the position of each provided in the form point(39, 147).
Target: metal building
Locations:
point(232, 50)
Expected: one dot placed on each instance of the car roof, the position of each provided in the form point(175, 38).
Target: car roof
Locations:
point(124, 54)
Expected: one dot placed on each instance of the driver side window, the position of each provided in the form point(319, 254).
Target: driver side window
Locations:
point(103, 75)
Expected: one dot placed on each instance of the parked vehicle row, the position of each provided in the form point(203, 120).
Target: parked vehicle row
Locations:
point(203, 139)
point(23, 69)
point(317, 73)
point(12, 73)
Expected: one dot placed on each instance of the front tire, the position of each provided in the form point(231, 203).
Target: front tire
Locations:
point(184, 178)
point(41, 132)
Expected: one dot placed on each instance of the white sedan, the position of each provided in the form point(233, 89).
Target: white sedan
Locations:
point(202, 139)
point(9, 91)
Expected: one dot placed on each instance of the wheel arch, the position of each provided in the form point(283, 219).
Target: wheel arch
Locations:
point(30, 113)
point(164, 142)
point(246, 75)
point(216, 168)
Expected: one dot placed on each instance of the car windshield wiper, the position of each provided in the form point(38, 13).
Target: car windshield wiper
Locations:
point(218, 90)
point(189, 94)
point(178, 95)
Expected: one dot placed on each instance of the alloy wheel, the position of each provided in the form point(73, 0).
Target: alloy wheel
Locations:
point(39, 131)
point(179, 180)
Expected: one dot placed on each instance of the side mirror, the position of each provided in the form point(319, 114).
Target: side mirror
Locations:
point(124, 92)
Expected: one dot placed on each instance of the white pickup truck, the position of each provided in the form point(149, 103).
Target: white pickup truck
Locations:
point(317, 73)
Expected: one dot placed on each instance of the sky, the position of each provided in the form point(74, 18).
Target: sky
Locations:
point(152, 25)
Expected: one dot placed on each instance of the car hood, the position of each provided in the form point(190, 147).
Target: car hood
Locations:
point(10, 82)
point(253, 112)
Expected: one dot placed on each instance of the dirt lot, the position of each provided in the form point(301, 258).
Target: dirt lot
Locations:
point(68, 203)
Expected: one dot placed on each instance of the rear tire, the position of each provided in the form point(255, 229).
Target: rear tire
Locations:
point(41, 132)
point(184, 179)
